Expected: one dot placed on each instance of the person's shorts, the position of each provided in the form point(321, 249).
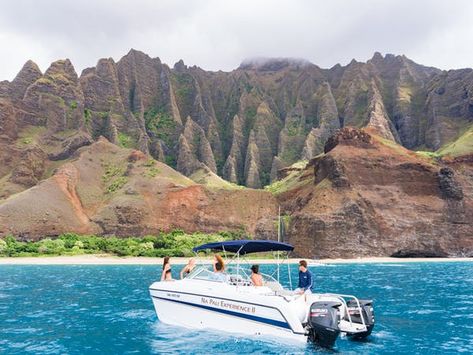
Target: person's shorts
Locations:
point(306, 292)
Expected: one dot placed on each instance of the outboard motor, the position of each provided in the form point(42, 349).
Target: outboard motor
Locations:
point(324, 317)
point(368, 316)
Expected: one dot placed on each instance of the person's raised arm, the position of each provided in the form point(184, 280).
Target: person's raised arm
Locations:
point(163, 274)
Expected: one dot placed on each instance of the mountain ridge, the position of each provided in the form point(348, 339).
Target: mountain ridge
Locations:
point(134, 147)
point(289, 104)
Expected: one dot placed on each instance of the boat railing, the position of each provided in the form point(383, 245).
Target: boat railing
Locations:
point(342, 299)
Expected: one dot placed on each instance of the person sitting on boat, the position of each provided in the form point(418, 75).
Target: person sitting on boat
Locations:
point(219, 270)
point(186, 270)
point(256, 277)
point(166, 274)
point(305, 279)
point(218, 260)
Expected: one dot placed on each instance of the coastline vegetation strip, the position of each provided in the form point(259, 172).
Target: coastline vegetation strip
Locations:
point(175, 243)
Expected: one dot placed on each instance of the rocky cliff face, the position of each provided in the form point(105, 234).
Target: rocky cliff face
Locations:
point(242, 125)
point(365, 197)
point(110, 190)
point(364, 192)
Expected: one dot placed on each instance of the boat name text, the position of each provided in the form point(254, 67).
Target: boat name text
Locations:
point(227, 305)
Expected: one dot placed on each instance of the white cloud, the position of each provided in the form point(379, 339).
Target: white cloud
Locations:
point(216, 34)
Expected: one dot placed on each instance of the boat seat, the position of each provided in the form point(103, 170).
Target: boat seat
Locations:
point(278, 289)
point(274, 286)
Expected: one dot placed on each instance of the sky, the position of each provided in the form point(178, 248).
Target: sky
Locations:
point(220, 34)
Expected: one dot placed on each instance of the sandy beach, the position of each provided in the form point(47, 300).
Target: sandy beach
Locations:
point(116, 260)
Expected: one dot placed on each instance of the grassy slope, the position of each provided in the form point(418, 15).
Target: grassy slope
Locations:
point(291, 181)
point(462, 146)
point(211, 180)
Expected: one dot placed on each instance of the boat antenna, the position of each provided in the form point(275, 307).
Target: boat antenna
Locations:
point(279, 234)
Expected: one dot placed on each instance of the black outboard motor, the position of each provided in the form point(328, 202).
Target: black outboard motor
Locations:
point(324, 317)
point(368, 316)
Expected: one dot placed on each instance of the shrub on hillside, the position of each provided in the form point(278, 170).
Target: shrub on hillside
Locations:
point(175, 243)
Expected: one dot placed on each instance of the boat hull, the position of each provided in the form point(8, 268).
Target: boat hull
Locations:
point(244, 317)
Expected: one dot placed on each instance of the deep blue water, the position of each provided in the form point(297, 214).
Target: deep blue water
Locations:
point(420, 308)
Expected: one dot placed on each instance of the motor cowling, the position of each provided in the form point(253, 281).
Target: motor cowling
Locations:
point(323, 320)
point(367, 311)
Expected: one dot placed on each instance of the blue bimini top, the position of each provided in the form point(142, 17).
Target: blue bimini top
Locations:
point(246, 246)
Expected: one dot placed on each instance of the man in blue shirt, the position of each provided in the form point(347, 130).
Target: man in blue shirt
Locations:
point(305, 279)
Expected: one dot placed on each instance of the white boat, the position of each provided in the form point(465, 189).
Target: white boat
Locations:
point(229, 302)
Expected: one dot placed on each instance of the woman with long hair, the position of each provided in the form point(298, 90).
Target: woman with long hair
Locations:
point(219, 264)
point(166, 274)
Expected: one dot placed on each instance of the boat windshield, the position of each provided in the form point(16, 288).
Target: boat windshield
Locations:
point(234, 276)
point(202, 273)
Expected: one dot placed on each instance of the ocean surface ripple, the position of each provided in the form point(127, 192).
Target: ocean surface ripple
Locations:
point(420, 308)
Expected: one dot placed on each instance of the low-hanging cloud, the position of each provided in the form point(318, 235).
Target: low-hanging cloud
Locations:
point(218, 35)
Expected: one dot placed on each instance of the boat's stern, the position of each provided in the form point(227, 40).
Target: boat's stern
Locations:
point(330, 315)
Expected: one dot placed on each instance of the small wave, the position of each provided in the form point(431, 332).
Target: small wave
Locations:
point(22, 330)
point(383, 334)
point(46, 348)
point(392, 265)
point(426, 311)
point(138, 314)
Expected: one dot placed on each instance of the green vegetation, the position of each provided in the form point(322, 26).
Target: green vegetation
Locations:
point(429, 156)
point(393, 145)
point(185, 86)
point(151, 169)
point(462, 146)
point(294, 129)
point(291, 153)
point(26, 140)
point(293, 180)
point(73, 105)
point(211, 180)
point(115, 176)
point(161, 124)
point(248, 87)
point(149, 163)
point(117, 184)
point(87, 115)
point(103, 115)
point(170, 160)
point(152, 172)
point(125, 141)
point(30, 135)
point(361, 103)
point(285, 223)
point(111, 171)
point(175, 243)
point(250, 118)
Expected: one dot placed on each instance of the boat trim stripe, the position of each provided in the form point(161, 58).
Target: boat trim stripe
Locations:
point(272, 322)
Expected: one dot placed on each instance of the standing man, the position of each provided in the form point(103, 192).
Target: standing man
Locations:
point(305, 279)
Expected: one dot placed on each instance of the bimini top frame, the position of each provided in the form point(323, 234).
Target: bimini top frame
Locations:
point(248, 246)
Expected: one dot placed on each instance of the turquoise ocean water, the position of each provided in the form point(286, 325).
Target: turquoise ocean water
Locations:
point(421, 308)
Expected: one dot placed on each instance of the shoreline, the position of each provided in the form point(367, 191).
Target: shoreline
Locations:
point(117, 260)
